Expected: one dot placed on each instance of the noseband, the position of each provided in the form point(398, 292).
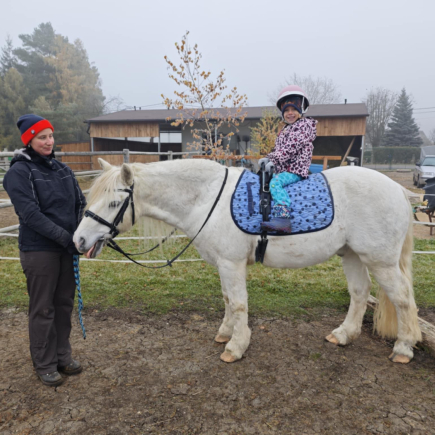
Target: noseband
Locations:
point(120, 216)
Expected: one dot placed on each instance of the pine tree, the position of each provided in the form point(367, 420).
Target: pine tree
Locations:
point(32, 64)
point(13, 94)
point(7, 58)
point(402, 129)
point(52, 78)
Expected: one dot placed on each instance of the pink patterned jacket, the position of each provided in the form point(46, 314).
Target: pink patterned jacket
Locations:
point(294, 147)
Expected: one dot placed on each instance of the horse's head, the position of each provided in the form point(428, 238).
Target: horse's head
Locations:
point(110, 209)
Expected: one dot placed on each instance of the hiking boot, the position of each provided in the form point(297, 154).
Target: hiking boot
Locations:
point(278, 225)
point(52, 379)
point(73, 368)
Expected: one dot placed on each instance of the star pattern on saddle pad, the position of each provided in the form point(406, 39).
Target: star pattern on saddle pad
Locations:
point(312, 207)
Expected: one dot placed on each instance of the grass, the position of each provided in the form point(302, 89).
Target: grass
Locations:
point(195, 287)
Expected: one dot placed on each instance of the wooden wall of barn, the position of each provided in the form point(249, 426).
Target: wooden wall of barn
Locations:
point(124, 129)
point(343, 126)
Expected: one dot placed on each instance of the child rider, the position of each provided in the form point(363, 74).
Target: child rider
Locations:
point(291, 155)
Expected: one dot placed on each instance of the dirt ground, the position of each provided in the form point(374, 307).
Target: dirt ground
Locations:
point(162, 375)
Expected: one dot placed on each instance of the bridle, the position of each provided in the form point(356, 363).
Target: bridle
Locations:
point(120, 216)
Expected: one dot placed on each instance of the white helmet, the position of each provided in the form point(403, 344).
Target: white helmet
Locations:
point(289, 91)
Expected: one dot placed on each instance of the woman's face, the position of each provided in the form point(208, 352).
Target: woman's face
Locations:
point(291, 115)
point(43, 142)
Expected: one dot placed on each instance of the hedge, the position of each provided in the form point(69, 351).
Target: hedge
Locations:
point(386, 155)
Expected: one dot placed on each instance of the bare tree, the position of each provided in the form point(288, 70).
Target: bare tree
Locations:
point(432, 136)
point(204, 104)
point(113, 104)
point(319, 90)
point(380, 103)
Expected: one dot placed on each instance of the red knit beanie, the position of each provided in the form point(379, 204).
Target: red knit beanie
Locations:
point(30, 126)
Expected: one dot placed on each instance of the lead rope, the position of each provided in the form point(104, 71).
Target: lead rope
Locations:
point(79, 292)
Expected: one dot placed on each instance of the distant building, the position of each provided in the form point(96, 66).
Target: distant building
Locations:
point(340, 125)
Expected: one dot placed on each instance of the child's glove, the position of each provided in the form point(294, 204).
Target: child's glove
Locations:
point(263, 162)
point(270, 168)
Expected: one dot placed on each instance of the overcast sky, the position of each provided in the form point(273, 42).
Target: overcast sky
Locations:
point(359, 45)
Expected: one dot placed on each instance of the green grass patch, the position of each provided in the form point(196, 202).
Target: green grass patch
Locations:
point(195, 286)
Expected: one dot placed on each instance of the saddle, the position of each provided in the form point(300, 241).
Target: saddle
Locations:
point(312, 207)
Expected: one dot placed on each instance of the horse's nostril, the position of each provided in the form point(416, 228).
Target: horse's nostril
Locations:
point(81, 242)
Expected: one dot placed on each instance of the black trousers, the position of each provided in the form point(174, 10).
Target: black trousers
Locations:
point(51, 288)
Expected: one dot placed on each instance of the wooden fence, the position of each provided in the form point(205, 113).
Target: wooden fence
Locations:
point(76, 163)
point(90, 162)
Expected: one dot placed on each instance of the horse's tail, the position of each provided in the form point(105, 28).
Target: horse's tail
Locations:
point(385, 316)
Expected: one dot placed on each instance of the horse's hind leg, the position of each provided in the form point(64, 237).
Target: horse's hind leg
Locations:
point(396, 315)
point(233, 278)
point(359, 288)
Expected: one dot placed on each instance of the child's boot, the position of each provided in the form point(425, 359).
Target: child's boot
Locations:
point(279, 225)
point(280, 222)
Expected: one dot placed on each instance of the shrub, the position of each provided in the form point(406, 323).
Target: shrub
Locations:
point(385, 155)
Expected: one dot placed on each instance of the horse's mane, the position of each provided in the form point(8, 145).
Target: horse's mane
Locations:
point(104, 186)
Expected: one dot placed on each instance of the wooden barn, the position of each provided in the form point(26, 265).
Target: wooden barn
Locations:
point(340, 132)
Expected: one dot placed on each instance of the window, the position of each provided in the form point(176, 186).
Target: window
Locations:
point(428, 161)
point(170, 137)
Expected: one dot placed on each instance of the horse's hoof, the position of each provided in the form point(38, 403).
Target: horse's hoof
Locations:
point(332, 339)
point(222, 338)
point(396, 358)
point(228, 358)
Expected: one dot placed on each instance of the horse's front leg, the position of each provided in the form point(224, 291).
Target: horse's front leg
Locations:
point(235, 325)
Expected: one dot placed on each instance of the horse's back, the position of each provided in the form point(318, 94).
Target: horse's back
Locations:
point(362, 185)
point(373, 209)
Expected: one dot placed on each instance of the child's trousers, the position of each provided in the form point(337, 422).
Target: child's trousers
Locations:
point(280, 196)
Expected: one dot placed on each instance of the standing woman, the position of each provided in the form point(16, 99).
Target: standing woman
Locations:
point(49, 205)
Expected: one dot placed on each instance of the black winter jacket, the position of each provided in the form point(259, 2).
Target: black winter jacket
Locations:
point(46, 198)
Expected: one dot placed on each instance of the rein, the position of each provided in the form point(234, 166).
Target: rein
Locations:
point(119, 217)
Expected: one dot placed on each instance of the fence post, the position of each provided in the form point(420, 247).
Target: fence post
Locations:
point(126, 153)
point(170, 156)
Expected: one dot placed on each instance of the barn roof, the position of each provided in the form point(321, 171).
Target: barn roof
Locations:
point(161, 115)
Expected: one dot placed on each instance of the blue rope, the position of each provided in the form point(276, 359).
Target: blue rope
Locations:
point(79, 293)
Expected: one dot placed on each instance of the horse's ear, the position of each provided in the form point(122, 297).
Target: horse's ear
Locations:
point(105, 166)
point(126, 174)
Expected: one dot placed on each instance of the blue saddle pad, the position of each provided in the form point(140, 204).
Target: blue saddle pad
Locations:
point(312, 207)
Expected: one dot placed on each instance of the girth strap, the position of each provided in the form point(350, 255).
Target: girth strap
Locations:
point(265, 209)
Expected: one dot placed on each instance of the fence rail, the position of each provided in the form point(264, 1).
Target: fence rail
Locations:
point(125, 152)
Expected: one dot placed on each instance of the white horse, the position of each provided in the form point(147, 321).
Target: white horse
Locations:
point(371, 231)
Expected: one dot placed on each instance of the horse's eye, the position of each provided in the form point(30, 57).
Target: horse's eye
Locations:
point(114, 204)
